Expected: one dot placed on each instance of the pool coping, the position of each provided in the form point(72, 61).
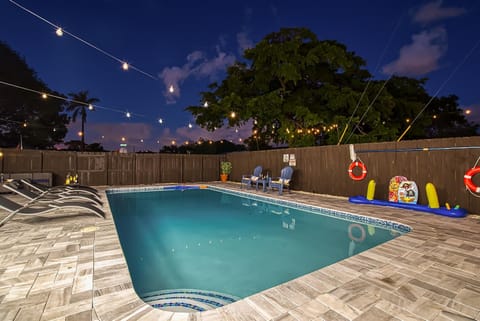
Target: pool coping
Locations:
point(343, 215)
point(431, 273)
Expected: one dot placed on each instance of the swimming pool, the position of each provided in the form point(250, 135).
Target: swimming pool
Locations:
point(202, 248)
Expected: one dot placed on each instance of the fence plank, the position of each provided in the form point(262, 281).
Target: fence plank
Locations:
point(321, 169)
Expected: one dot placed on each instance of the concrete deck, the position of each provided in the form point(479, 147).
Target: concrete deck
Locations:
point(70, 266)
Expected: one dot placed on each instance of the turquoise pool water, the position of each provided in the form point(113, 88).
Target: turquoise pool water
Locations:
point(213, 241)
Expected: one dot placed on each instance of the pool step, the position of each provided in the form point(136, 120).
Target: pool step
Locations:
point(188, 300)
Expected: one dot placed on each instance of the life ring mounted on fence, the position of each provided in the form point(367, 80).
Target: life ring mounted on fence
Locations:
point(467, 179)
point(362, 167)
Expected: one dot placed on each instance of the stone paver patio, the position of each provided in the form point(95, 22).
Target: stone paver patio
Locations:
point(70, 266)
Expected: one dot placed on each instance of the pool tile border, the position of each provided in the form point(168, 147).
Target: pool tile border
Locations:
point(386, 224)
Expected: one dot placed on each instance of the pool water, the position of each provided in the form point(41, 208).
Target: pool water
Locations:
point(212, 241)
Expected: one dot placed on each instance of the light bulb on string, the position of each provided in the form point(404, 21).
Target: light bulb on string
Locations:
point(190, 125)
point(171, 89)
point(60, 32)
point(90, 107)
point(205, 104)
point(44, 96)
point(160, 121)
point(128, 115)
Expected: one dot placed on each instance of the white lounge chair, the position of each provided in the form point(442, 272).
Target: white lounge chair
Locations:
point(48, 196)
point(36, 208)
point(61, 188)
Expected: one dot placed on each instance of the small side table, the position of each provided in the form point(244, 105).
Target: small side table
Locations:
point(264, 181)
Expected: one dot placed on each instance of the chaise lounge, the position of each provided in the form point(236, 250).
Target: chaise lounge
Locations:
point(36, 208)
point(48, 196)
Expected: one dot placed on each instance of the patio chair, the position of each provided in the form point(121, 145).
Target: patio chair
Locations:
point(248, 180)
point(61, 188)
point(47, 196)
point(36, 208)
point(283, 181)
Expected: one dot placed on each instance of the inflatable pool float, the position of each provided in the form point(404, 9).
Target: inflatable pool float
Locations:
point(453, 212)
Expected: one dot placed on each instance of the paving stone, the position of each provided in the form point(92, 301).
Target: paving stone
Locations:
point(70, 266)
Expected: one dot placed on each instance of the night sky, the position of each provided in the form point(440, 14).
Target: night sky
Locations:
point(189, 44)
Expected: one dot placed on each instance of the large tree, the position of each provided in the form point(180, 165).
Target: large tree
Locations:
point(298, 90)
point(78, 105)
point(26, 117)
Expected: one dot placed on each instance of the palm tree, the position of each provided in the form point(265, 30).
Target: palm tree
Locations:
point(78, 104)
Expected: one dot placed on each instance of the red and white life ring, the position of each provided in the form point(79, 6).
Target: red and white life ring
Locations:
point(362, 167)
point(357, 239)
point(467, 179)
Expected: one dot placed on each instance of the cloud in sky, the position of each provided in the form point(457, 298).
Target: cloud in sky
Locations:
point(197, 65)
point(244, 42)
point(421, 56)
point(433, 11)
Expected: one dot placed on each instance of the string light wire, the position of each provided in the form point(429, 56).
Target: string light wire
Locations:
point(465, 58)
point(368, 84)
point(85, 42)
point(67, 99)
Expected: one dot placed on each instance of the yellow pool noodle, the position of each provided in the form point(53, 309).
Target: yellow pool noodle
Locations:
point(432, 196)
point(371, 190)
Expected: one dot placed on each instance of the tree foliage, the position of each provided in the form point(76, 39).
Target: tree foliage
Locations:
point(302, 91)
point(25, 116)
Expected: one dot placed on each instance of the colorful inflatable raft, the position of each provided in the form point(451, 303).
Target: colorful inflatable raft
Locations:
point(453, 212)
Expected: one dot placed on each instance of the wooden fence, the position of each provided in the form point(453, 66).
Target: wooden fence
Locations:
point(98, 169)
point(321, 169)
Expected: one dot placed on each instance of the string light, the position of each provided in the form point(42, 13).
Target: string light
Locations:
point(125, 66)
point(62, 32)
point(205, 104)
point(160, 121)
point(44, 96)
point(128, 114)
point(190, 125)
point(66, 99)
point(171, 89)
point(90, 107)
